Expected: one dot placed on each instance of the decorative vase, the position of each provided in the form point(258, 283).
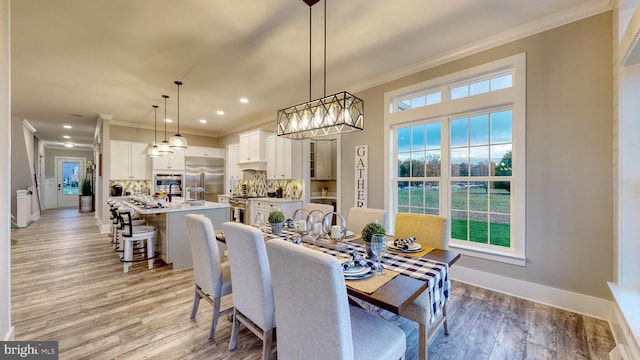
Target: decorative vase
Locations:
point(370, 254)
point(276, 228)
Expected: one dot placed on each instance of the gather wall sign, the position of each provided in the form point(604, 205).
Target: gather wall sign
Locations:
point(361, 181)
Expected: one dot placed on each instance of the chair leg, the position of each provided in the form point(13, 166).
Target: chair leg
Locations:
point(234, 330)
point(266, 344)
point(196, 303)
point(423, 352)
point(150, 251)
point(128, 255)
point(216, 314)
point(446, 322)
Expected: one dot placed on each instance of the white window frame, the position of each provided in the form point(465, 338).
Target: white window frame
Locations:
point(513, 97)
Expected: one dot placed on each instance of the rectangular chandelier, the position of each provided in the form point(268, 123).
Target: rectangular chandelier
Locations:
point(334, 114)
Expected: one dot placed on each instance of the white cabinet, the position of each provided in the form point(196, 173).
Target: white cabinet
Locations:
point(252, 150)
point(129, 161)
point(284, 158)
point(323, 160)
point(232, 169)
point(264, 207)
point(205, 152)
point(173, 161)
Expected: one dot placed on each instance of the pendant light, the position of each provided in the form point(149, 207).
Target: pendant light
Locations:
point(329, 115)
point(164, 147)
point(177, 141)
point(154, 151)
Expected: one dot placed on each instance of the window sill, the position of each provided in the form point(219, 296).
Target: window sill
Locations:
point(489, 254)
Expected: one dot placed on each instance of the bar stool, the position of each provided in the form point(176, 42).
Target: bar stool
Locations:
point(132, 234)
point(119, 224)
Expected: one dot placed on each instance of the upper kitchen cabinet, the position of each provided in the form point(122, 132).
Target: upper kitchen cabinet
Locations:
point(284, 158)
point(323, 159)
point(129, 161)
point(172, 162)
point(205, 152)
point(232, 170)
point(252, 150)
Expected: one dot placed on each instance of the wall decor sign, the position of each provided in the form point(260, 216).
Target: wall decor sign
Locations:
point(361, 180)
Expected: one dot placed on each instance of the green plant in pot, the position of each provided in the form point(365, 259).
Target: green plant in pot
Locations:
point(367, 233)
point(86, 198)
point(87, 187)
point(276, 219)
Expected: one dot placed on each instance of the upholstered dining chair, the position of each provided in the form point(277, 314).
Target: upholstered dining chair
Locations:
point(431, 231)
point(212, 277)
point(251, 277)
point(359, 217)
point(314, 318)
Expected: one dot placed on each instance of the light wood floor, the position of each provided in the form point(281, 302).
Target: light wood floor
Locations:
point(68, 286)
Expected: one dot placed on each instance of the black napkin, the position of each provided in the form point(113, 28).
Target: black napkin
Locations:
point(404, 244)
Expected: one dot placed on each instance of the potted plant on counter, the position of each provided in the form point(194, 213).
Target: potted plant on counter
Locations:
point(276, 218)
point(86, 195)
point(367, 233)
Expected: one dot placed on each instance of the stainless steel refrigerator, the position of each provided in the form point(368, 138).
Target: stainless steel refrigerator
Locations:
point(205, 172)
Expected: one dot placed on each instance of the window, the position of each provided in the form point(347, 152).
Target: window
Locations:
point(465, 158)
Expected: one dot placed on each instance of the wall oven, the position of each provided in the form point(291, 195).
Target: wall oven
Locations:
point(168, 184)
point(239, 209)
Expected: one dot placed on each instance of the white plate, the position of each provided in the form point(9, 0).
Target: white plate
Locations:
point(359, 277)
point(349, 234)
point(356, 270)
point(415, 247)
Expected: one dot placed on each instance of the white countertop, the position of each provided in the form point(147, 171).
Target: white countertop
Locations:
point(320, 197)
point(273, 199)
point(176, 207)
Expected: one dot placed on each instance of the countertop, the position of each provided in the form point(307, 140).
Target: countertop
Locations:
point(176, 207)
point(273, 199)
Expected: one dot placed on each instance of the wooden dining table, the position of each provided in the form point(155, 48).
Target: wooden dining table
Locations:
point(396, 294)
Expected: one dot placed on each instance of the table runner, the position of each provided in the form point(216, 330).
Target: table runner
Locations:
point(436, 274)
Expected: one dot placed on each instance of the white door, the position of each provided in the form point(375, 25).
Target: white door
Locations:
point(69, 174)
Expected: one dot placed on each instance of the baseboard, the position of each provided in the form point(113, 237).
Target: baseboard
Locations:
point(563, 299)
point(34, 217)
point(103, 228)
point(10, 335)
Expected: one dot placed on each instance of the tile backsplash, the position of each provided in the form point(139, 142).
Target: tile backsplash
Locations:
point(258, 183)
point(133, 186)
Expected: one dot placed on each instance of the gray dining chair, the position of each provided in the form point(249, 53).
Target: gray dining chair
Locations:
point(359, 217)
point(251, 277)
point(313, 314)
point(212, 277)
point(432, 231)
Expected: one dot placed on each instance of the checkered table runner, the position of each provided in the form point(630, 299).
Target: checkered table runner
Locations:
point(436, 274)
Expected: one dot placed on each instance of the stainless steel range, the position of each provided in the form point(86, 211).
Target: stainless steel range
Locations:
point(239, 209)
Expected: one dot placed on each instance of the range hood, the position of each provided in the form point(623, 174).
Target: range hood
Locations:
point(253, 165)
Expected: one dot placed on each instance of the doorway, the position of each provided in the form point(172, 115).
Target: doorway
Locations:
point(69, 174)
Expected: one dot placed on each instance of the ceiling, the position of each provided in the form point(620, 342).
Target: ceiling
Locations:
point(75, 59)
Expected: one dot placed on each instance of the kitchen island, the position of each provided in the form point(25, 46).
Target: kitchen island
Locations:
point(172, 240)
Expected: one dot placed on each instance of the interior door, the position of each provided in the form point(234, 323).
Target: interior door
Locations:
point(69, 174)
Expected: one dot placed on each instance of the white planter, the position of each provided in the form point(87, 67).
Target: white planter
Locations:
point(86, 203)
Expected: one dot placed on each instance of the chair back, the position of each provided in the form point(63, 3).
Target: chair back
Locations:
point(429, 230)
point(207, 270)
point(323, 208)
point(250, 274)
point(359, 217)
point(309, 282)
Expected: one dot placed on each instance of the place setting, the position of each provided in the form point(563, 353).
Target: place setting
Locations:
point(408, 246)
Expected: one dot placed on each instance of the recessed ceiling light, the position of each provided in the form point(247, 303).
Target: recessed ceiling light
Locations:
point(203, 121)
point(244, 100)
point(220, 112)
point(66, 126)
point(68, 145)
point(168, 120)
point(66, 137)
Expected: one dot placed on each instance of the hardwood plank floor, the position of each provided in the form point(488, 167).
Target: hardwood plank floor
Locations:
point(68, 285)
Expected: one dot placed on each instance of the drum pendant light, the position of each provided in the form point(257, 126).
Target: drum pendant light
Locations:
point(164, 147)
point(154, 150)
point(178, 141)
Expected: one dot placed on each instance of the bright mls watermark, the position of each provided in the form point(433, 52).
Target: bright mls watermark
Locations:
point(32, 350)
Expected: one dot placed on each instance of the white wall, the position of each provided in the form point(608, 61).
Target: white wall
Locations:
point(5, 163)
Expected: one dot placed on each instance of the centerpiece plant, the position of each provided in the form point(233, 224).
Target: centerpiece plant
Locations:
point(276, 218)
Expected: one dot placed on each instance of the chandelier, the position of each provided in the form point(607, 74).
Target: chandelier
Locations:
point(329, 115)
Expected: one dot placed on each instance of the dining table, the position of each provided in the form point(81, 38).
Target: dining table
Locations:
point(407, 276)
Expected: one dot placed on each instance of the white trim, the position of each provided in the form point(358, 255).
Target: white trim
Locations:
point(11, 334)
point(104, 228)
point(563, 299)
point(489, 254)
point(579, 12)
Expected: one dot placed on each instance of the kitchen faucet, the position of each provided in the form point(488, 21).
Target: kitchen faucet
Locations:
point(170, 185)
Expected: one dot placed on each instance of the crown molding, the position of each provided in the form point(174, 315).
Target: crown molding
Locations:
point(576, 13)
point(148, 127)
